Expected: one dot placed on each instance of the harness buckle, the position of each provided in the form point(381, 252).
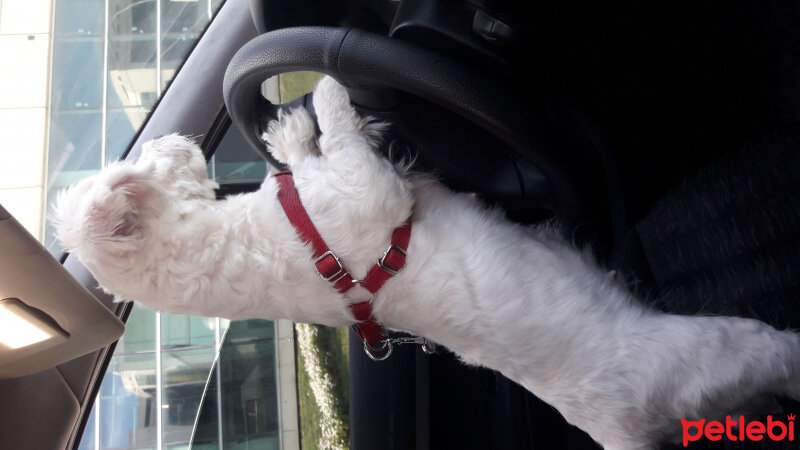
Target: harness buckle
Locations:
point(335, 276)
point(387, 254)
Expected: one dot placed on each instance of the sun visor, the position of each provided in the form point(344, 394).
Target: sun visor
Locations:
point(46, 316)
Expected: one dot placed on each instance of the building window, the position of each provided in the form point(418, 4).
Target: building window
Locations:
point(112, 59)
point(176, 381)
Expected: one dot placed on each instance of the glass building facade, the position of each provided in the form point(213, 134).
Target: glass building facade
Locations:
point(174, 381)
point(111, 60)
point(177, 381)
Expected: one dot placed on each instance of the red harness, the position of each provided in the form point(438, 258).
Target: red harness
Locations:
point(330, 268)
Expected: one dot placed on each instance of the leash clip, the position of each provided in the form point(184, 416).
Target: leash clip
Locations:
point(383, 349)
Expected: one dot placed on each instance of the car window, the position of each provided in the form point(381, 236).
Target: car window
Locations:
point(111, 60)
point(174, 380)
point(177, 381)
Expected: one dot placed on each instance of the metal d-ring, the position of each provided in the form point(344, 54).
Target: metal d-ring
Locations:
point(381, 346)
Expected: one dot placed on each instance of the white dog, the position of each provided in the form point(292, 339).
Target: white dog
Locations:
point(515, 299)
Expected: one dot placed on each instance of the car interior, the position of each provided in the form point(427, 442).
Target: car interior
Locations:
point(664, 137)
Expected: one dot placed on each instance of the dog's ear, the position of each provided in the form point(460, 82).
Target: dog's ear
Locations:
point(107, 211)
point(115, 215)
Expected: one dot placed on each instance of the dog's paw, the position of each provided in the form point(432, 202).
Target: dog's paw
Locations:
point(173, 150)
point(341, 126)
point(330, 97)
point(104, 214)
point(292, 137)
point(178, 164)
point(335, 114)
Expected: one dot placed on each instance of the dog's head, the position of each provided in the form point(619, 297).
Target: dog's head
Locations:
point(105, 219)
point(103, 215)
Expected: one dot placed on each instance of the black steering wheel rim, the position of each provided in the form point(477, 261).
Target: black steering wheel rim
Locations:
point(364, 60)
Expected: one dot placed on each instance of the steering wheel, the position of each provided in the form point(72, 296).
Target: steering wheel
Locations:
point(575, 185)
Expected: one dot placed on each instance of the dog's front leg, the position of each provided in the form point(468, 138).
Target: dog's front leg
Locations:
point(354, 196)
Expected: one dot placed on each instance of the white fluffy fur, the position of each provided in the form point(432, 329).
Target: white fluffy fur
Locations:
point(515, 299)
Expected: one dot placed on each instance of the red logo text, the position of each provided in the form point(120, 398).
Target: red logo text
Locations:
point(738, 430)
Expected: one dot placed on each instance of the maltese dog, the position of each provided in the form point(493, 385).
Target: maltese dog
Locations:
point(519, 300)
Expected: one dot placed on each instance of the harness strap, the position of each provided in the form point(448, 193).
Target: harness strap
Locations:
point(330, 268)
